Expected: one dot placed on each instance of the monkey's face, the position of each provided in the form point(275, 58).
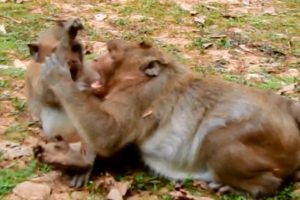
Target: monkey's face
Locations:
point(130, 64)
point(73, 55)
point(61, 40)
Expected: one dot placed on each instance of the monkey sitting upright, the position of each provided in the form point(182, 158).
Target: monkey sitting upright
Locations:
point(59, 39)
point(185, 125)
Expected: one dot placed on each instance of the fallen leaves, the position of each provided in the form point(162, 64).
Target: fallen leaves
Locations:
point(100, 17)
point(254, 78)
point(182, 194)
point(31, 191)
point(288, 89)
point(200, 19)
point(118, 190)
point(2, 30)
point(13, 150)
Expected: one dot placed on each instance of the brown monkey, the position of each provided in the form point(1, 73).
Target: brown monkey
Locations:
point(60, 39)
point(184, 125)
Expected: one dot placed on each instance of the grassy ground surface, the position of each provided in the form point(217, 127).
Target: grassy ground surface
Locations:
point(256, 43)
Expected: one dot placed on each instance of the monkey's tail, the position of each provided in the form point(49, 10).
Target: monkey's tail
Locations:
point(295, 111)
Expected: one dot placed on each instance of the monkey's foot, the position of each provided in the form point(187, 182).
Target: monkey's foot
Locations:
point(61, 156)
point(221, 189)
point(80, 179)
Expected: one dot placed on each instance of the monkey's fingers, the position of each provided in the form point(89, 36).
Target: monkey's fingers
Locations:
point(78, 180)
point(60, 157)
point(73, 26)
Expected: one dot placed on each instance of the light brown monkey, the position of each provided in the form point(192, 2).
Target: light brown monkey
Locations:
point(43, 104)
point(184, 125)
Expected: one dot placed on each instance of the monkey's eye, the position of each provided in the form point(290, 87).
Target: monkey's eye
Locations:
point(53, 50)
point(77, 47)
point(57, 147)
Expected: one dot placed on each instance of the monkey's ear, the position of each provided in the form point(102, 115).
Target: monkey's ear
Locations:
point(34, 50)
point(151, 68)
point(116, 49)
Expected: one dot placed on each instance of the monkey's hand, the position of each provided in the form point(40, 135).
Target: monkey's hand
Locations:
point(53, 72)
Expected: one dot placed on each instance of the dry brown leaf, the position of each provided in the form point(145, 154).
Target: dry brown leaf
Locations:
point(182, 194)
point(216, 36)
point(200, 184)
point(13, 150)
point(291, 73)
point(123, 186)
point(20, 64)
point(200, 19)
point(288, 89)
point(118, 190)
point(2, 30)
point(114, 194)
point(106, 182)
point(255, 78)
point(207, 45)
point(270, 11)
point(31, 191)
point(100, 17)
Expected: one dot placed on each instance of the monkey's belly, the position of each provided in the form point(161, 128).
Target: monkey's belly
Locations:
point(171, 171)
point(174, 156)
point(56, 123)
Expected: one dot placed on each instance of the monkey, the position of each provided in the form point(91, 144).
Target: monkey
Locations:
point(59, 39)
point(184, 125)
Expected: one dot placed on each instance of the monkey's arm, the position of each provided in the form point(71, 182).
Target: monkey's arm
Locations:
point(95, 124)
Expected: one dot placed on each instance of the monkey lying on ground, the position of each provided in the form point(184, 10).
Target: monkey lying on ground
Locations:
point(43, 104)
point(185, 125)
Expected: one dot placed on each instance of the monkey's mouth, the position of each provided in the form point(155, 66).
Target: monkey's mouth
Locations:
point(97, 84)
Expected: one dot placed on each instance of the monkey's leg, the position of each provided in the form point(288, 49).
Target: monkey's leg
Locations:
point(79, 179)
point(61, 156)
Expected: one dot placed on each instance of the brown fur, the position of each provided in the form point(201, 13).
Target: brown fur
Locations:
point(59, 39)
point(184, 125)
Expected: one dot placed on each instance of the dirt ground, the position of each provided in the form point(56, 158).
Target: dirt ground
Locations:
point(251, 42)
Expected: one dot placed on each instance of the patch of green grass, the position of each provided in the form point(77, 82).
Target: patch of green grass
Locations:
point(21, 27)
point(94, 190)
point(10, 177)
point(275, 83)
point(276, 30)
point(234, 197)
point(4, 83)
point(199, 42)
point(284, 194)
point(205, 70)
point(234, 78)
point(13, 72)
point(17, 131)
point(20, 104)
point(121, 22)
point(144, 181)
point(166, 197)
point(157, 10)
point(224, 43)
point(272, 83)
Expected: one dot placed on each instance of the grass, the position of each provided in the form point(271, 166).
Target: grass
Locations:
point(277, 30)
point(145, 181)
point(10, 177)
point(17, 131)
point(12, 72)
point(271, 83)
point(21, 27)
point(20, 104)
point(143, 20)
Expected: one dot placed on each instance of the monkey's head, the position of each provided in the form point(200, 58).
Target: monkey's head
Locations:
point(61, 40)
point(133, 65)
